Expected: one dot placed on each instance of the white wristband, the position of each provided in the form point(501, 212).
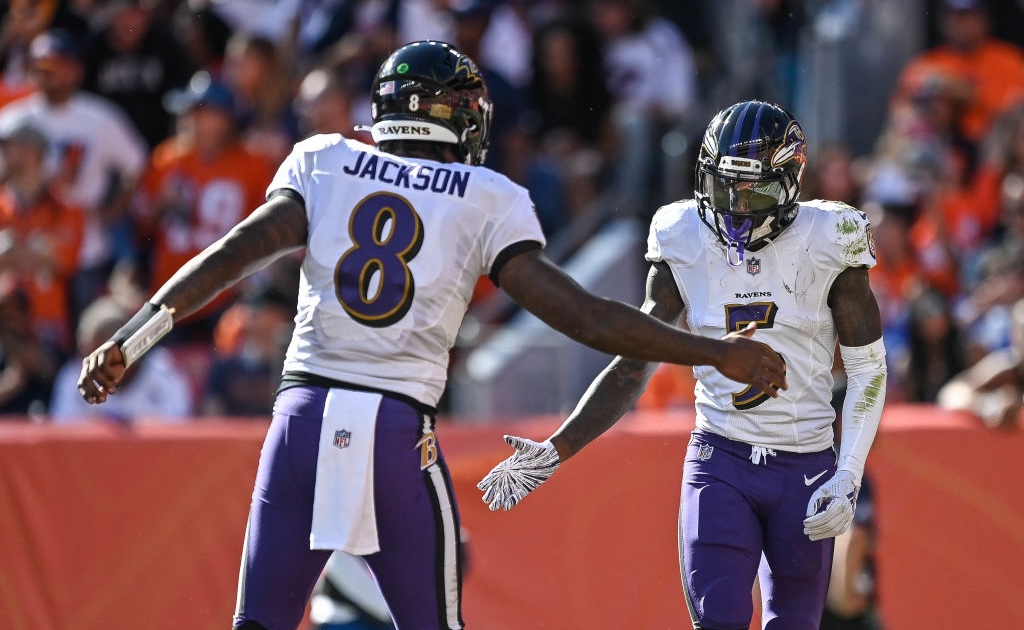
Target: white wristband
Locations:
point(159, 323)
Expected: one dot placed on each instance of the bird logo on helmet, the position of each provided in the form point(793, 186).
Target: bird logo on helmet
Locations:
point(430, 91)
point(747, 180)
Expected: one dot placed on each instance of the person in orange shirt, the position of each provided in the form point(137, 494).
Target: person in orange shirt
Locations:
point(40, 236)
point(200, 183)
point(988, 73)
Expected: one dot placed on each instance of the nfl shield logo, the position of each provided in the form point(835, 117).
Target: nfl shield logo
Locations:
point(753, 266)
point(342, 438)
point(704, 452)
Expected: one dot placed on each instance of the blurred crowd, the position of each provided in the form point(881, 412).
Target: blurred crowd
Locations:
point(134, 133)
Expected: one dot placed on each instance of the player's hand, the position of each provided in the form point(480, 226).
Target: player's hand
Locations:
point(101, 372)
point(752, 362)
point(830, 510)
point(511, 480)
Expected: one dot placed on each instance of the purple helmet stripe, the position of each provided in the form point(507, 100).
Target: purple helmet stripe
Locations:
point(755, 132)
point(736, 130)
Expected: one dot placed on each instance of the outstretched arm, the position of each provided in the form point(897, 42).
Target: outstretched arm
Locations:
point(271, 231)
point(619, 329)
point(608, 398)
point(617, 388)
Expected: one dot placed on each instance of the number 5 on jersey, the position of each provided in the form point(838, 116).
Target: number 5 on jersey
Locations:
point(372, 279)
point(738, 316)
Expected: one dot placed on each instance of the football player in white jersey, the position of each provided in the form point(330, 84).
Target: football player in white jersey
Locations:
point(761, 476)
point(395, 237)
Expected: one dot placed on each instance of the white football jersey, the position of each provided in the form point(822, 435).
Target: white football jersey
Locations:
point(395, 249)
point(784, 288)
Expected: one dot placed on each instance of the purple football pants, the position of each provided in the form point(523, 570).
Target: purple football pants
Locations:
point(731, 512)
point(419, 565)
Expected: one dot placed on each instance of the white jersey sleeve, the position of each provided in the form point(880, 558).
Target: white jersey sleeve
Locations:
point(395, 249)
point(784, 288)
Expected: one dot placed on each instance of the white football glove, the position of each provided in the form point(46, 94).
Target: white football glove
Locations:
point(830, 510)
point(511, 480)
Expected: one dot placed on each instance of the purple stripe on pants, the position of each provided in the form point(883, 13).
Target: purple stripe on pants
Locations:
point(418, 567)
point(731, 511)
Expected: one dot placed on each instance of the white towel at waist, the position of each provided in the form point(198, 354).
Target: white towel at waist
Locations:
point(343, 509)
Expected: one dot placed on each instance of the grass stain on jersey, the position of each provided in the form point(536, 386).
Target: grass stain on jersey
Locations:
point(852, 251)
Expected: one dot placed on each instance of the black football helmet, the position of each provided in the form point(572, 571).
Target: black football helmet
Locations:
point(747, 180)
point(430, 91)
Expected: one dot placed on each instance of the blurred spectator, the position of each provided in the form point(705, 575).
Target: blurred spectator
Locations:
point(506, 45)
point(524, 165)
point(471, 19)
point(203, 34)
point(273, 19)
point(95, 155)
point(652, 77)
point(833, 175)
point(923, 160)
point(992, 277)
point(1000, 179)
point(133, 61)
point(936, 349)
point(154, 388)
point(22, 21)
point(370, 24)
point(1005, 18)
point(251, 338)
point(754, 45)
point(572, 105)
point(258, 78)
point(364, 39)
point(324, 104)
point(27, 364)
point(896, 281)
point(568, 91)
point(200, 183)
point(39, 235)
point(987, 74)
point(993, 388)
point(423, 19)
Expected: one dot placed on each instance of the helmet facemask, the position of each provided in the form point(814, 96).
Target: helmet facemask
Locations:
point(744, 212)
point(747, 201)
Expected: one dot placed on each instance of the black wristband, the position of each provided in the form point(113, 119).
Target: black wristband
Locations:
point(147, 311)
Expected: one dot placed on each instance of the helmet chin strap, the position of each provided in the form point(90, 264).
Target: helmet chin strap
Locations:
point(736, 245)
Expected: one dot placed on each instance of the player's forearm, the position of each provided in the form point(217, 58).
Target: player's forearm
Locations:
point(611, 395)
point(607, 325)
point(619, 329)
point(274, 230)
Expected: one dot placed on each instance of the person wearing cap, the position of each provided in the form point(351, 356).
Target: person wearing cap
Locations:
point(39, 235)
point(95, 155)
point(200, 182)
point(987, 74)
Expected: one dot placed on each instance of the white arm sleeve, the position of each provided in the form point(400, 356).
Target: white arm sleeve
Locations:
point(862, 409)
